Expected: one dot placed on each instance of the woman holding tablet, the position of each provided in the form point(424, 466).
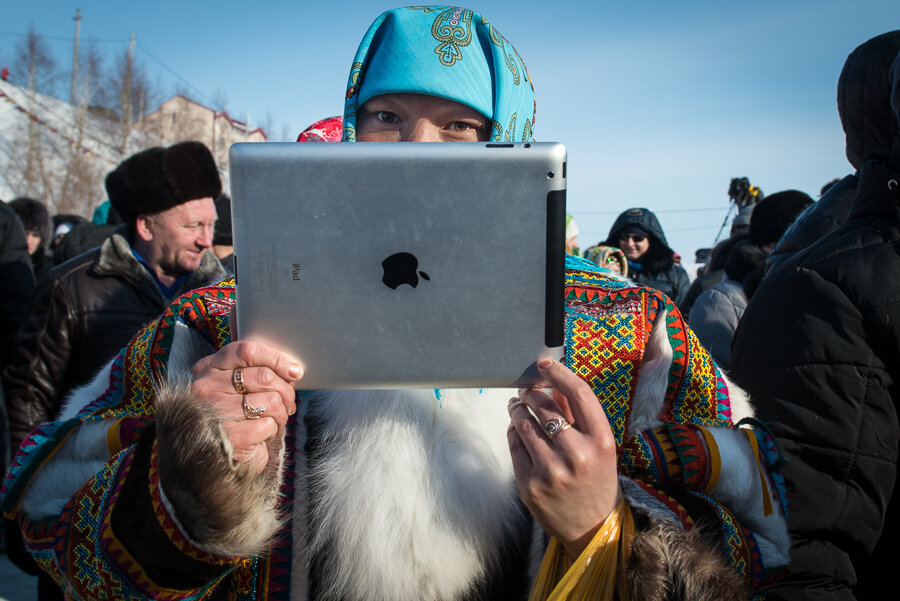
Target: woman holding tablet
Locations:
point(192, 470)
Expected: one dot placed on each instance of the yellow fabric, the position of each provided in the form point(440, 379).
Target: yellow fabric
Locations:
point(599, 572)
point(715, 460)
point(113, 441)
point(760, 462)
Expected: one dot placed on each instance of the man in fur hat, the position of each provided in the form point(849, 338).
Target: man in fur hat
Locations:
point(92, 305)
point(88, 308)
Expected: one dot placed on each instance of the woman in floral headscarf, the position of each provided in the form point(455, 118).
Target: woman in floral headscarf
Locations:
point(215, 482)
point(441, 53)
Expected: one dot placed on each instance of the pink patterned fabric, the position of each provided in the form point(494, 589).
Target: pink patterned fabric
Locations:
point(326, 130)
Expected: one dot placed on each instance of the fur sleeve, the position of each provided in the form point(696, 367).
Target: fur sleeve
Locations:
point(668, 563)
point(218, 505)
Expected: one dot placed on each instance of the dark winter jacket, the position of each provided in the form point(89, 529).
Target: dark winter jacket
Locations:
point(17, 278)
point(716, 315)
point(16, 286)
point(82, 238)
point(817, 221)
point(41, 264)
point(715, 271)
point(657, 268)
point(86, 311)
point(819, 351)
point(718, 310)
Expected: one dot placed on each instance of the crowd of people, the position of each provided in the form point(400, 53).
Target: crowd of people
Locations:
point(727, 438)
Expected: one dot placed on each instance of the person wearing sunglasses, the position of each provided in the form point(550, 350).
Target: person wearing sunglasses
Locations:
point(650, 260)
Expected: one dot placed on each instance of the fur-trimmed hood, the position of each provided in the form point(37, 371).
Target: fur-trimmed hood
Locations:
point(659, 257)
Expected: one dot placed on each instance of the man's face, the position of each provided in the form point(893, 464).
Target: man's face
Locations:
point(179, 236)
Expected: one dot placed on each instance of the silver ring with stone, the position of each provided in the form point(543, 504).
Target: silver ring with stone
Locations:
point(556, 425)
point(251, 412)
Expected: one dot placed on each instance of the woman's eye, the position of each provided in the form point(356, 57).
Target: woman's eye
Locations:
point(386, 117)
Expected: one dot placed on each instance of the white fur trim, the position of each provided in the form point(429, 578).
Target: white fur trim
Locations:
point(653, 378)
point(79, 397)
point(739, 488)
point(449, 501)
point(79, 458)
point(299, 519)
point(740, 401)
point(188, 347)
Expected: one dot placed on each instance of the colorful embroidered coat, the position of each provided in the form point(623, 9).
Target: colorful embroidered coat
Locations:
point(671, 409)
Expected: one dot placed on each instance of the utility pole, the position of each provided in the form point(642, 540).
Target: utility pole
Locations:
point(75, 56)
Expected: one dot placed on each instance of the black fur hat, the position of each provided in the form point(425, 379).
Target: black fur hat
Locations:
point(34, 215)
point(744, 258)
point(159, 178)
point(774, 214)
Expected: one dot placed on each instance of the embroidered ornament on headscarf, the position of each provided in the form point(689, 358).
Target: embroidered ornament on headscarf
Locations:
point(443, 51)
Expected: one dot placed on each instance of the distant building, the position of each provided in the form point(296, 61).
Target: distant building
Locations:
point(179, 118)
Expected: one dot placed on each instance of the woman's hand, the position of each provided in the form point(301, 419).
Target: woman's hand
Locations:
point(267, 375)
point(567, 480)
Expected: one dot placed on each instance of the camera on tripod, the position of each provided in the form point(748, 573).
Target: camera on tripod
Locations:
point(743, 194)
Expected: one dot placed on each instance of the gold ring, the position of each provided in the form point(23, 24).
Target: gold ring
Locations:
point(251, 412)
point(237, 380)
point(556, 425)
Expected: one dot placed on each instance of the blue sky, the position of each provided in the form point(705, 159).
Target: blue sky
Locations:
point(659, 103)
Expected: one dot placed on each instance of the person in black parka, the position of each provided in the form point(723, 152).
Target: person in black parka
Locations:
point(650, 260)
point(818, 349)
point(862, 93)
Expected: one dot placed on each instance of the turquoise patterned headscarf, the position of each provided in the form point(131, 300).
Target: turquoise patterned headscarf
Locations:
point(443, 51)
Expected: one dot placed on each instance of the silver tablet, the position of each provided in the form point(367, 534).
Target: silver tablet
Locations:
point(396, 265)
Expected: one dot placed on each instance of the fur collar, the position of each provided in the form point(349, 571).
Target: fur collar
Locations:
point(116, 259)
point(414, 492)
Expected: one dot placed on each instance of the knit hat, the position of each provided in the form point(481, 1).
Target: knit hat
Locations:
point(222, 234)
point(34, 215)
point(634, 228)
point(159, 178)
point(774, 214)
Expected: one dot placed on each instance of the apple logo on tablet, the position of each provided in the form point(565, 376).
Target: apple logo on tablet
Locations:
point(402, 268)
